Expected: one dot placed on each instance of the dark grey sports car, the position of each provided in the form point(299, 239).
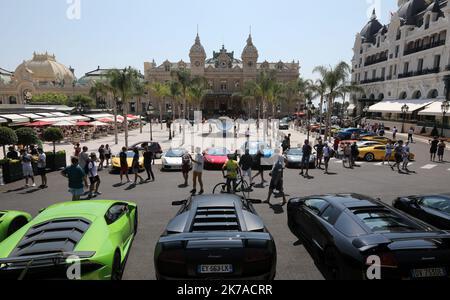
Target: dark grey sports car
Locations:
point(432, 209)
point(345, 232)
point(216, 237)
point(294, 157)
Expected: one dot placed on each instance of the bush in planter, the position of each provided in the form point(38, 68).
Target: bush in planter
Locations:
point(56, 160)
point(53, 135)
point(26, 136)
point(7, 137)
point(12, 170)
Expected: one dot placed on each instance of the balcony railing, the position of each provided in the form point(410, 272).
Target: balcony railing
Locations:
point(419, 73)
point(424, 47)
point(378, 79)
point(370, 62)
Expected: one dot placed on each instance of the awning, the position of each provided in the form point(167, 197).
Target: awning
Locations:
point(351, 107)
point(3, 120)
point(434, 109)
point(395, 106)
point(16, 118)
point(60, 114)
point(69, 118)
point(32, 116)
point(99, 116)
point(47, 115)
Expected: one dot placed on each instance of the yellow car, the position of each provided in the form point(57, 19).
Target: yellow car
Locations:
point(377, 152)
point(380, 139)
point(115, 162)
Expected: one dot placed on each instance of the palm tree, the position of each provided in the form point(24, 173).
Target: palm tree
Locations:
point(275, 93)
point(174, 94)
point(196, 94)
point(290, 94)
point(160, 90)
point(321, 89)
point(124, 81)
point(184, 78)
point(99, 89)
point(264, 85)
point(336, 81)
point(139, 92)
point(248, 93)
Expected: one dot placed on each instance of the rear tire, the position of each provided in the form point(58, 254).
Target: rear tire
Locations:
point(136, 222)
point(15, 225)
point(332, 263)
point(220, 188)
point(116, 272)
point(369, 157)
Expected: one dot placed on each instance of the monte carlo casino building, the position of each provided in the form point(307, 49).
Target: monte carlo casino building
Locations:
point(225, 75)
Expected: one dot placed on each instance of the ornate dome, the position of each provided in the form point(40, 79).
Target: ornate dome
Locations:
point(369, 31)
point(409, 10)
point(250, 49)
point(45, 68)
point(197, 49)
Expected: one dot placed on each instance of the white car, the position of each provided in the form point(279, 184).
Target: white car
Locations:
point(173, 159)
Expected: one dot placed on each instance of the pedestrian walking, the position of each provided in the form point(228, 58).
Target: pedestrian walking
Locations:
point(276, 182)
point(107, 155)
point(199, 163)
point(347, 152)
point(319, 153)
point(245, 163)
point(405, 154)
point(388, 153)
point(101, 155)
point(410, 135)
point(327, 154)
point(76, 175)
point(354, 154)
point(94, 179)
point(149, 157)
point(41, 168)
point(135, 167)
point(433, 148)
point(259, 167)
point(441, 150)
point(285, 144)
point(186, 160)
point(123, 157)
point(77, 149)
point(398, 153)
point(394, 133)
point(307, 150)
point(82, 161)
point(27, 167)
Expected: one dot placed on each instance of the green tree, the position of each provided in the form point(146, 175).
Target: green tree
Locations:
point(139, 92)
point(99, 90)
point(174, 94)
point(124, 82)
point(264, 85)
point(53, 135)
point(159, 90)
point(81, 102)
point(185, 80)
point(196, 94)
point(7, 137)
point(291, 94)
point(50, 98)
point(26, 136)
point(249, 93)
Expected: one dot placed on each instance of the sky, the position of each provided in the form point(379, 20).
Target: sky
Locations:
point(85, 34)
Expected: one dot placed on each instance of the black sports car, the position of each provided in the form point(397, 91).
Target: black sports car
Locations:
point(343, 232)
point(216, 237)
point(432, 209)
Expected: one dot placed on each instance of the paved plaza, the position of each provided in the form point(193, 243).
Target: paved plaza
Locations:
point(154, 199)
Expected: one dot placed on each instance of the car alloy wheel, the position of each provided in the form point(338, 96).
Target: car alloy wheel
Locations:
point(369, 157)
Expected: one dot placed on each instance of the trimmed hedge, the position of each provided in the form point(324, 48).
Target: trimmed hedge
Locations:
point(12, 169)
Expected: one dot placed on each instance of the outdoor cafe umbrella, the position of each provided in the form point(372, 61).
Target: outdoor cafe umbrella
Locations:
point(106, 120)
point(98, 123)
point(64, 123)
point(39, 124)
point(81, 123)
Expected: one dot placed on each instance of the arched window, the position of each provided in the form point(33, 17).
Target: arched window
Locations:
point(372, 97)
point(403, 95)
point(381, 97)
point(417, 95)
point(427, 22)
point(433, 94)
point(12, 100)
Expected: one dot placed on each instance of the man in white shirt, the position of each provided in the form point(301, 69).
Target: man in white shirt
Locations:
point(41, 168)
point(27, 168)
point(198, 167)
point(93, 176)
point(410, 135)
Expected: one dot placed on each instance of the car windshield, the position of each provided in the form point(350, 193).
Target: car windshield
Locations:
point(385, 221)
point(218, 152)
point(175, 153)
point(295, 152)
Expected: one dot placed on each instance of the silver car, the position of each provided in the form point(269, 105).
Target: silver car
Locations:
point(294, 157)
point(173, 159)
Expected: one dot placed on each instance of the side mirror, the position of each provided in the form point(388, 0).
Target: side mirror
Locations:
point(179, 203)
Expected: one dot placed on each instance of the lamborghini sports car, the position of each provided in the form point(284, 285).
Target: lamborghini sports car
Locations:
point(11, 221)
point(93, 237)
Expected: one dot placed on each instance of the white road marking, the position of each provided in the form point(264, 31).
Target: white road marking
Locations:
point(378, 164)
point(429, 167)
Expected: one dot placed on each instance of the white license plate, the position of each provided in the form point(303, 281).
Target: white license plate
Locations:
point(215, 269)
point(430, 272)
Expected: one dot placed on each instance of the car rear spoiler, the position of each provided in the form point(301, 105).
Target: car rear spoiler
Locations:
point(202, 236)
point(368, 242)
point(55, 257)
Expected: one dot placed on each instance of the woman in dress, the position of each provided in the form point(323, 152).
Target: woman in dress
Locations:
point(441, 150)
point(135, 167)
point(107, 155)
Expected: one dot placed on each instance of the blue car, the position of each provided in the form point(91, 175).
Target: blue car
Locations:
point(253, 148)
point(346, 134)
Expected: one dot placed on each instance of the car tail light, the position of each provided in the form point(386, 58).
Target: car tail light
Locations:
point(173, 256)
point(255, 255)
point(387, 260)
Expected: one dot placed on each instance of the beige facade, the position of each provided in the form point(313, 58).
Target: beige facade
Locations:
point(224, 73)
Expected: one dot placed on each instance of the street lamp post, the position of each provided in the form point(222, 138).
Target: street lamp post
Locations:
point(445, 108)
point(310, 107)
point(257, 116)
point(169, 122)
point(150, 113)
point(405, 109)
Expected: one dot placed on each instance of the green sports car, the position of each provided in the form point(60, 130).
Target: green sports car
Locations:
point(86, 240)
point(11, 221)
